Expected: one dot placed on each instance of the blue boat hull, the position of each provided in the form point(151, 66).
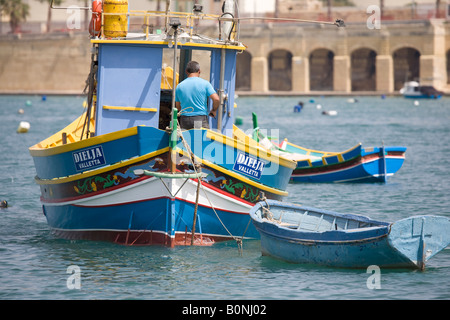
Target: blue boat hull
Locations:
point(161, 221)
point(111, 202)
point(408, 243)
point(355, 254)
point(370, 165)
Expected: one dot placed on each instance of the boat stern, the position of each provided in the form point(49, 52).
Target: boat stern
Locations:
point(419, 238)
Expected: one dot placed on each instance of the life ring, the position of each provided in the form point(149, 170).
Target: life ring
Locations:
point(96, 20)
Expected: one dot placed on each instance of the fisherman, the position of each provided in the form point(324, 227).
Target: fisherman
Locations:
point(192, 95)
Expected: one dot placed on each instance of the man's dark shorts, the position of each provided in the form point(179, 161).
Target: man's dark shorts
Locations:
point(194, 122)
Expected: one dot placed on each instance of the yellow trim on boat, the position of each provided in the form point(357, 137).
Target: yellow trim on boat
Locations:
point(72, 131)
point(241, 136)
point(91, 173)
point(325, 153)
point(130, 109)
point(238, 176)
point(187, 44)
point(257, 151)
point(44, 151)
point(308, 151)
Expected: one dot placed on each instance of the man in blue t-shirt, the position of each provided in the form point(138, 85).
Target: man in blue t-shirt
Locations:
point(192, 95)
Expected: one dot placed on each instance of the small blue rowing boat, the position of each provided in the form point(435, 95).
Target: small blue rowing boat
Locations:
point(302, 234)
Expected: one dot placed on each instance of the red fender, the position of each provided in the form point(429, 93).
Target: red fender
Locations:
point(96, 21)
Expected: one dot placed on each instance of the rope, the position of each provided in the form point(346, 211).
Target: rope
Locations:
point(184, 110)
point(237, 239)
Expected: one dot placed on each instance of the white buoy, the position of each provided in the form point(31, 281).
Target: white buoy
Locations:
point(416, 103)
point(319, 107)
point(23, 127)
point(332, 113)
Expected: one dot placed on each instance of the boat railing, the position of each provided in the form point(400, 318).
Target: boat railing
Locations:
point(308, 220)
point(228, 24)
point(189, 21)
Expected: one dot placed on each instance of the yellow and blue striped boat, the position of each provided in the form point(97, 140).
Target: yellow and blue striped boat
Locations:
point(124, 172)
point(356, 164)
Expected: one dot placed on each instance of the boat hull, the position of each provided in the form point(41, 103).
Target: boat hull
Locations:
point(146, 213)
point(402, 244)
point(365, 165)
point(354, 254)
point(113, 202)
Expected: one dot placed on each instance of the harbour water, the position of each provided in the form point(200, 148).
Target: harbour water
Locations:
point(36, 265)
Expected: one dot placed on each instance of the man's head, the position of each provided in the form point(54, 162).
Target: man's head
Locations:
point(192, 67)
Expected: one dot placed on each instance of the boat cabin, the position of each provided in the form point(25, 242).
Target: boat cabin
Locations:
point(134, 81)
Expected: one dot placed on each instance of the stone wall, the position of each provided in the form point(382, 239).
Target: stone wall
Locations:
point(59, 63)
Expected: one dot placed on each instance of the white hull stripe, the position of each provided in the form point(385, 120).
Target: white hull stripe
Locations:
point(153, 188)
point(339, 170)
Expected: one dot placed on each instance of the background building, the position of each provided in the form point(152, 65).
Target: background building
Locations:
point(282, 57)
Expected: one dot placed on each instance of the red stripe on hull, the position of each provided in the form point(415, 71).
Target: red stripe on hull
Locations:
point(140, 238)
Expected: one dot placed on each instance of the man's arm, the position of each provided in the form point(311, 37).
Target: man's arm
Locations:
point(216, 101)
point(178, 105)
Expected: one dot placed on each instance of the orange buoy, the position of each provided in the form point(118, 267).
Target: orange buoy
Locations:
point(96, 21)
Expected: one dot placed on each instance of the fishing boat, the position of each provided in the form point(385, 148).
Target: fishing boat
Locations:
point(124, 171)
point(412, 89)
point(356, 164)
point(301, 234)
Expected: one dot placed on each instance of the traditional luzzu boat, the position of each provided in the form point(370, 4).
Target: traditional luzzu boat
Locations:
point(300, 234)
point(356, 164)
point(125, 172)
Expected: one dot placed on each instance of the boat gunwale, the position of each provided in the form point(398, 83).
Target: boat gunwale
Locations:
point(127, 162)
point(307, 237)
point(166, 43)
point(324, 153)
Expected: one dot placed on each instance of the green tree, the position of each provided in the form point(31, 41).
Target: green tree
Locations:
point(49, 12)
point(17, 12)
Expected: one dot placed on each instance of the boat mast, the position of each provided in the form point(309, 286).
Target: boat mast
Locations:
point(173, 136)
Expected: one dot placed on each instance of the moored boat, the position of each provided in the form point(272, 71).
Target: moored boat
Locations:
point(357, 164)
point(125, 172)
point(412, 89)
point(301, 234)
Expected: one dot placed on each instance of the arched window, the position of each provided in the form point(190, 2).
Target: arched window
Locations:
point(406, 66)
point(243, 71)
point(280, 70)
point(363, 70)
point(321, 70)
